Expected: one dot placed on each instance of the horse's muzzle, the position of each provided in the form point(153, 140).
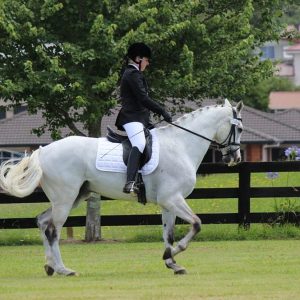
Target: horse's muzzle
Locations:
point(232, 158)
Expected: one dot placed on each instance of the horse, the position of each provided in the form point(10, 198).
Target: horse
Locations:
point(65, 170)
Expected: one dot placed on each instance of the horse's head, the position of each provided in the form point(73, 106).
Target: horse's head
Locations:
point(229, 134)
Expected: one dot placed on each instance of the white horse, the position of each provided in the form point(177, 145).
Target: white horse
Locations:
point(66, 171)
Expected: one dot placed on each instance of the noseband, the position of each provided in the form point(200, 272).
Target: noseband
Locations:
point(230, 139)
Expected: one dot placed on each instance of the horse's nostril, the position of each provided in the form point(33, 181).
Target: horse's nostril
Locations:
point(226, 159)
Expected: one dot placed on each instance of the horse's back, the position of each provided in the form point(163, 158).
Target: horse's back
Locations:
point(70, 154)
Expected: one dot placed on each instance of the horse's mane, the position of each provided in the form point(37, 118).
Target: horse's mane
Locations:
point(193, 113)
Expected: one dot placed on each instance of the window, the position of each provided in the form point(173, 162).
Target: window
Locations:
point(2, 115)
point(19, 109)
point(287, 55)
point(5, 155)
point(268, 52)
point(278, 154)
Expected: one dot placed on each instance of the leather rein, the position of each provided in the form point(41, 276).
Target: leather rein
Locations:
point(232, 133)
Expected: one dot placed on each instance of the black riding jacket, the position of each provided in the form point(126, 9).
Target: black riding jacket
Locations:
point(136, 104)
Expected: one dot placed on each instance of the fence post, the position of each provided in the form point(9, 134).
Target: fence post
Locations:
point(93, 219)
point(70, 233)
point(244, 196)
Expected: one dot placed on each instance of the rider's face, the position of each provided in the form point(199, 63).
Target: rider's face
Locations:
point(144, 63)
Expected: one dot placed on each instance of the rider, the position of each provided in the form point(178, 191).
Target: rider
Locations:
point(134, 115)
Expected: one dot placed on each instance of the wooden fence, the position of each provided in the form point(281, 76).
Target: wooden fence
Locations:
point(243, 192)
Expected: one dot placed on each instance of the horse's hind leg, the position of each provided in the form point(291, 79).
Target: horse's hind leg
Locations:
point(63, 197)
point(42, 221)
point(50, 223)
point(60, 213)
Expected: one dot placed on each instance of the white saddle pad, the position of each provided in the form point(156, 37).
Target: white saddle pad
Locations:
point(110, 156)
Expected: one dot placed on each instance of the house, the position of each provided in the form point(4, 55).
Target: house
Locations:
point(287, 57)
point(294, 51)
point(284, 100)
point(266, 135)
point(286, 53)
point(16, 135)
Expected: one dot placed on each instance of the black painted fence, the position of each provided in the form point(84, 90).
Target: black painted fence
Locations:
point(244, 192)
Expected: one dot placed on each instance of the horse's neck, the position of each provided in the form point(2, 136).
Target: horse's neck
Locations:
point(202, 121)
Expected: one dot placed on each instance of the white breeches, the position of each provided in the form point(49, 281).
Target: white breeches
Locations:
point(136, 135)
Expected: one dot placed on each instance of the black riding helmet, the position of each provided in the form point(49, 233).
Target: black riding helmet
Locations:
point(138, 49)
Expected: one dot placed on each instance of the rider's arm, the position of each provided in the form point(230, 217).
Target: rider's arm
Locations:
point(136, 84)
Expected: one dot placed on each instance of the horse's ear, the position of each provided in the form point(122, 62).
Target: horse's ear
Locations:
point(227, 103)
point(239, 106)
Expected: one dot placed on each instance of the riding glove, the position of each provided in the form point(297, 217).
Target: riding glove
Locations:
point(167, 117)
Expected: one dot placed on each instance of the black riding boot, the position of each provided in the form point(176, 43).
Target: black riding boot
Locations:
point(133, 165)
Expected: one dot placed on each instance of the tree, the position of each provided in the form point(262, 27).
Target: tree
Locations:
point(291, 13)
point(258, 95)
point(64, 57)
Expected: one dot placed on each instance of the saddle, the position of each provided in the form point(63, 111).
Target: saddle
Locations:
point(114, 137)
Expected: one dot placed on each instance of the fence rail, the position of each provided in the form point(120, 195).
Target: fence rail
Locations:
point(244, 192)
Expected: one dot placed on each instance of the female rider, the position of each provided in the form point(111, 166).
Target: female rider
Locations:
point(134, 115)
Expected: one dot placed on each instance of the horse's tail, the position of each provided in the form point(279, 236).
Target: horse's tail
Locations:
point(20, 179)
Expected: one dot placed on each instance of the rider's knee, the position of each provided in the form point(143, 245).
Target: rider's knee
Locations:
point(141, 148)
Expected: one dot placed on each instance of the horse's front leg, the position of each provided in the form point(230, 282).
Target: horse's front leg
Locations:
point(168, 220)
point(179, 207)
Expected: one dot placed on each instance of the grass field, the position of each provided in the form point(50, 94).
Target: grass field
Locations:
point(153, 233)
point(216, 270)
point(225, 262)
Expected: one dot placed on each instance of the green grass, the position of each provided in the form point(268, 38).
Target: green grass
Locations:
point(225, 262)
point(134, 234)
point(153, 233)
point(216, 270)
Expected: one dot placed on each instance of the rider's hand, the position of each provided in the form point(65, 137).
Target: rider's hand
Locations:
point(167, 117)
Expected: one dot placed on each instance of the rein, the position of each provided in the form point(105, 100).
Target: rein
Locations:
point(214, 143)
point(199, 135)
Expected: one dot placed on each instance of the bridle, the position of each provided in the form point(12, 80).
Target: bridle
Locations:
point(230, 140)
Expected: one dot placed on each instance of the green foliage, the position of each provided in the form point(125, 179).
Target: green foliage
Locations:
point(291, 13)
point(258, 95)
point(287, 210)
point(64, 57)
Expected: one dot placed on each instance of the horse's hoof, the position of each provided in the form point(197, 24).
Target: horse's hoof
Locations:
point(73, 274)
point(180, 272)
point(49, 270)
point(66, 272)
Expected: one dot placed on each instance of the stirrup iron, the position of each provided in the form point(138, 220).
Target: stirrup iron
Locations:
point(130, 188)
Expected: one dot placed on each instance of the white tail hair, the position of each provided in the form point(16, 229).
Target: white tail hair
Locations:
point(20, 179)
